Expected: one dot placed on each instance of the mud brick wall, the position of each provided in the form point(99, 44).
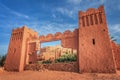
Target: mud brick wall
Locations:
point(116, 53)
point(70, 67)
point(95, 51)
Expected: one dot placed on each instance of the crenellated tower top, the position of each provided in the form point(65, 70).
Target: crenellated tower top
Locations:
point(92, 17)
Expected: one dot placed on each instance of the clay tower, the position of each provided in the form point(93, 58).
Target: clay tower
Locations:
point(19, 48)
point(95, 52)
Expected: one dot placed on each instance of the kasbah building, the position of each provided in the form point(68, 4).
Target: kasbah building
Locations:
point(54, 52)
point(96, 52)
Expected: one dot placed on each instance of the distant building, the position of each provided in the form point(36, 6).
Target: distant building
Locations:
point(54, 52)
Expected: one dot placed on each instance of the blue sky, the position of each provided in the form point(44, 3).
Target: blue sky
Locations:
point(50, 16)
point(52, 43)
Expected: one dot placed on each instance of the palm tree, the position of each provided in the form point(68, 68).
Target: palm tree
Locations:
point(113, 38)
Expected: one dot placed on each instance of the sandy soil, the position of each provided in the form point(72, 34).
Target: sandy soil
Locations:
point(55, 75)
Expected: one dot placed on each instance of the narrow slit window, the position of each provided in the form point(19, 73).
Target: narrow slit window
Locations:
point(100, 17)
point(87, 21)
point(91, 19)
point(83, 21)
point(96, 20)
point(93, 41)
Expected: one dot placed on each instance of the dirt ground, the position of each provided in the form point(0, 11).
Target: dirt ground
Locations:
point(55, 75)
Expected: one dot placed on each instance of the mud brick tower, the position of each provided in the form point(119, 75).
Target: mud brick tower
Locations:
point(95, 52)
point(18, 50)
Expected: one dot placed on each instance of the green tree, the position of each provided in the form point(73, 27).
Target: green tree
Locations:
point(2, 60)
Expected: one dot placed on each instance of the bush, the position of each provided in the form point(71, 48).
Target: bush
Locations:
point(66, 58)
point(2, 60)
point(47, 62)
point(39, 62)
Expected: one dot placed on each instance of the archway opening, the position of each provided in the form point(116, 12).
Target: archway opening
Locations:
point(54, 52)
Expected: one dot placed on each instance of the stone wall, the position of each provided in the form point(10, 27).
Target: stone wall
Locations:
point(70, 67)
point(116, 53)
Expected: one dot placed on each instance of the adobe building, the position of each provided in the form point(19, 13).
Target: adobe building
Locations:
point(95, 52)
point(54, 52)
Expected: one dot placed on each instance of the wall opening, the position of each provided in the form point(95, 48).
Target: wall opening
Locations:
point(53, 52)
point(51, 43)
point(49, 50)
point(93, 41)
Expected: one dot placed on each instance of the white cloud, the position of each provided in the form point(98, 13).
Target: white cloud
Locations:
point(102, 1)
point(53, 15)
point(74, 1)
point(119, 7)
point(20, 15)
point(115, 28)
point(76, 5)
point(117, 37)
point(52, 27)
point(14, 12)
point(72, 10)
point(66, 12)
point(115, 31)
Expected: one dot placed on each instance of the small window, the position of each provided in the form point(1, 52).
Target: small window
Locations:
point(30, 62)
point(93, 41)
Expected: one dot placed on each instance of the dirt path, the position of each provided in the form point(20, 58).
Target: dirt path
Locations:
point(55, 75)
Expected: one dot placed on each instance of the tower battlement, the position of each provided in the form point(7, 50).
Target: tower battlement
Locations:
point(92, 17)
